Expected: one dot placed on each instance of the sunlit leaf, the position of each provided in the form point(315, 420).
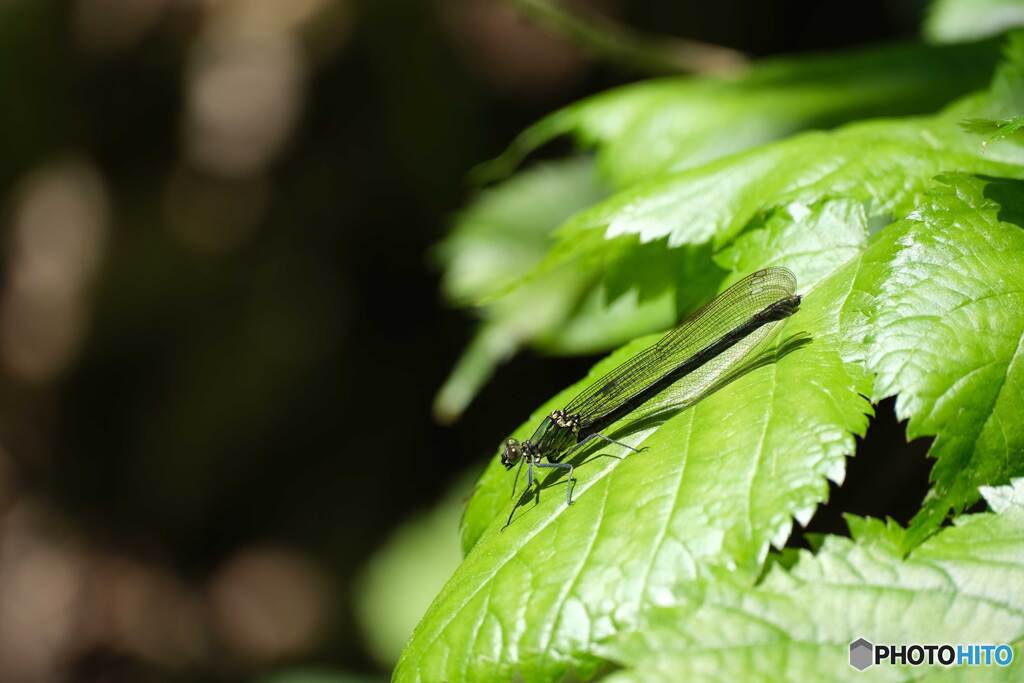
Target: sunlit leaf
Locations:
point(531, 599)
point(959, 587)
point(672, 124)
point(956, 20)
point(882, 164)
point(947, 326)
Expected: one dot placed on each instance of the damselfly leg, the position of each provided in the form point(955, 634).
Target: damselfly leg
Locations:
point(569, 479)
point(590, 438)
point(515, 482)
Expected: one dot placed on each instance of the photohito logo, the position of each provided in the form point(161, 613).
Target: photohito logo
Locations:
point(864, 653)
point(861, 654)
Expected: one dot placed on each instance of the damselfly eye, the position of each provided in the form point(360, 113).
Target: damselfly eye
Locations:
point(511, 453)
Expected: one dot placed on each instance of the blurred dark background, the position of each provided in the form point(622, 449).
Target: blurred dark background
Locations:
point(220, 332)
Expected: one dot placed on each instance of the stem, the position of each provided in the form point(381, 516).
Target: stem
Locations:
point(620, 44)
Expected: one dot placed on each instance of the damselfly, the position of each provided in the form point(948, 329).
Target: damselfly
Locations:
point(760, 298)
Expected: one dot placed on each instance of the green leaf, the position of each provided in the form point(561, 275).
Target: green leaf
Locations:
point(532, 599)
point(868, 531)
point(961, 586)
point(996, 129)
point(1007, 97)
point(946, 322)
point(720, 481)
point(665, 125)
point(955, 20)
point(565, 311)
point(501, 235)
point(812, 241)
point(597, 324)
point(587, 306)
point(519, 318)
point(883, 164)
point(1007, 91)
point(506, 230)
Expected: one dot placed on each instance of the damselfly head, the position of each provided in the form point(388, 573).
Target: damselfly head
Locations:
point(510, 456)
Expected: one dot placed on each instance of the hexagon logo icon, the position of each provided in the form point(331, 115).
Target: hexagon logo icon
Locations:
point(861, 654)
